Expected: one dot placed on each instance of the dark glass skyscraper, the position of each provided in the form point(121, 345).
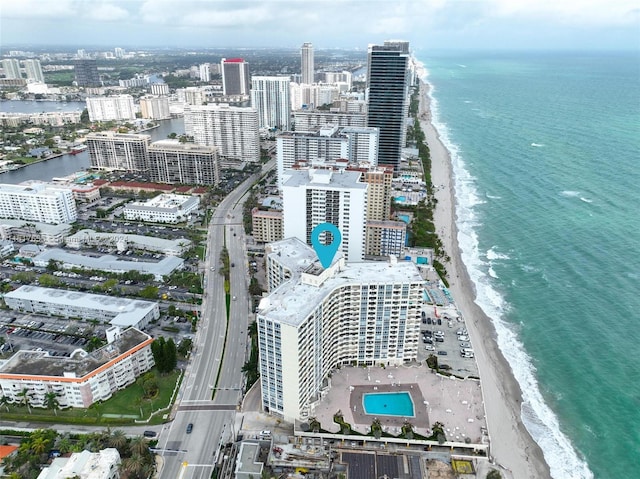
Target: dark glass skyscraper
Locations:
point(388, 105)
point(235, 77)
point(86, 70)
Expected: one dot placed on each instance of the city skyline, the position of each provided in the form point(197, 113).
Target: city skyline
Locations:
point(442, 24)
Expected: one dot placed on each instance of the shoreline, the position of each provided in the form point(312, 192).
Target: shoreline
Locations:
point(512, 447)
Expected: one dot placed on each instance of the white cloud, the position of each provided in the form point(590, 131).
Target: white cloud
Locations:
point(238, 18)
point(36, 9)
point(106, 12)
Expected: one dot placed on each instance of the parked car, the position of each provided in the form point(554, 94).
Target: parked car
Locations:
point(189, 428)
point(442, 353)
point(463, 338)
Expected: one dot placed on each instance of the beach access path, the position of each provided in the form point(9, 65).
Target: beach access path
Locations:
point(512, 447)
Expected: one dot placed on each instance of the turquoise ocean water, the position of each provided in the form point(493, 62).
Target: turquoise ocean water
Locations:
point(546, 152)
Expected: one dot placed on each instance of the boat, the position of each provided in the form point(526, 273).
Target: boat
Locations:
point(77, 149)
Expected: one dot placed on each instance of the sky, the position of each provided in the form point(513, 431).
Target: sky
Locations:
point(427, 24)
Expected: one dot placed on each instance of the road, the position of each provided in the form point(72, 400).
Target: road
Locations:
point(192, 456)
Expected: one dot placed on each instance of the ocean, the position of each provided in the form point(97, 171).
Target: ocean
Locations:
point(545, 148)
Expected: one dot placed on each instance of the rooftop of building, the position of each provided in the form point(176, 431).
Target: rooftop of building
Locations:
point(153, 241)
point(111, 263)
point(79, 365)
point(292, 253)
point(163, 201)
point(323, 178)
point(33, 189)
point(295, 299)
point(43, 228)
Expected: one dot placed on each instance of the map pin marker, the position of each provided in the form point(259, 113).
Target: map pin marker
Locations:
point(326, 252)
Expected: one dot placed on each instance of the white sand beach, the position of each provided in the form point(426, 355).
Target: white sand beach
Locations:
point(511, 445)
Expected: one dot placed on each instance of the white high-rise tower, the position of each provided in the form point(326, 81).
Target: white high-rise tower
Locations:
point(270, 96)
point(307, 63)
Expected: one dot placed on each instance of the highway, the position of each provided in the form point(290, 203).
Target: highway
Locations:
point(192, 455)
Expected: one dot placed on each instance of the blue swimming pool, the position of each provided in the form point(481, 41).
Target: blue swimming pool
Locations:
point(404, 218)
point(400, 199)
point(388, 404)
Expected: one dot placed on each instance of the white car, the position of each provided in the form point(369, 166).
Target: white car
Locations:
point(463, 338)
point(429, 347)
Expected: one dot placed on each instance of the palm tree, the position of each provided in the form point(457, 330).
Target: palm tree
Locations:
point(24, 395)
point(5, 401)
point(133, 466)
point(118, 440)
point(51, 400)
point(139, 446)
point(39, 445)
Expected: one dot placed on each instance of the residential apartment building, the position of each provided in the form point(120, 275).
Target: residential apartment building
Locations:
point(107, 108)
point(267, 225)
point(235, 77)
point(310, 120)
point(188, 163)
point(86, 72)
point(204, 72)
point(121, 312)
point(345, 77)
point(319, 319)
point(326, 144)
point(159, 89)
point(34, 70)
point(307, 61)
point(379, 196)
point(41, 203)
point(233, 130)
point(103, 464)
point(109, 150)
point(82, 379)
point(388, 98)
point(315, 196)
point(312, 96)
point(122, 242)
point(270, 96)
point(164, 208)
point(385, 238)
point(11, 68)
point(155, 107)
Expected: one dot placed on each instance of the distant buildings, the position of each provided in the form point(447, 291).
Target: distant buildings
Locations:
point(315, 196)
point(308, 67)
point(38, 203)
point(122, 242)
point(79, 380)
point(235, 77)
point(159, 89)
point(233, 130)
point(313, 95)
point(316, 319)
point(118, 151)
point(388, 103)
point(173, 162)
point(11, 67)
point(34, 70)
point(205, 73)
point(107, 108)
point(164, 208)
point(155, 107)
point(270, 96)
point(86, 72)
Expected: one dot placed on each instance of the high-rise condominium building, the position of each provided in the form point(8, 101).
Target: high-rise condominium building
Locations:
point(326, 144)
point(233, 130)
point(159, 89)
point(315, 196)
point(235, 77)
point(388, 89)
point(314, 95)
point(107, 108)
point(11, 67)
point(119, 52)
point(173, 162)
point(205, 73)
point(117, 151)
point(308, 68)
point(270, 96)
point(155, 108)
point(40, 203)
point(308, 120)
point(320, 319)
point(34, 70)
point(86, 72)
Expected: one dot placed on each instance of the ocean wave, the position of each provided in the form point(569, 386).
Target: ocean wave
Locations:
point(570, 194)
point(586, 200)
point(493, 254)
point(492, 272)
point(537, 145)
point(539, 419)
point(493, 197)
point(468, 101)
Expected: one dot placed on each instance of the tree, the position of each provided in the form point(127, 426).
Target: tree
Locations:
point(171, 355)
point(494, 474)
point(150, 292)
point(24, 398)
point(118, 440)
point(51, 400)
point(5, 401)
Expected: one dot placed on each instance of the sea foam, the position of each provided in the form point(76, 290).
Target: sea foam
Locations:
point(538, 418)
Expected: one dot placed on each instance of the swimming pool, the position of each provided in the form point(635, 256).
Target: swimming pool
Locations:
point(404, 218)
point(400, 199)
point(388, 404)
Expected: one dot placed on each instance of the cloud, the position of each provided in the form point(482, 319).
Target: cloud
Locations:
point(106, 12)
point(14, 9)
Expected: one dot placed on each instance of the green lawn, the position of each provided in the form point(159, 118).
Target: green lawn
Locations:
point(122, 408)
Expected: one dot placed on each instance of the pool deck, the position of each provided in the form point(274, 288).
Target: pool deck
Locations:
point(456, 403)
